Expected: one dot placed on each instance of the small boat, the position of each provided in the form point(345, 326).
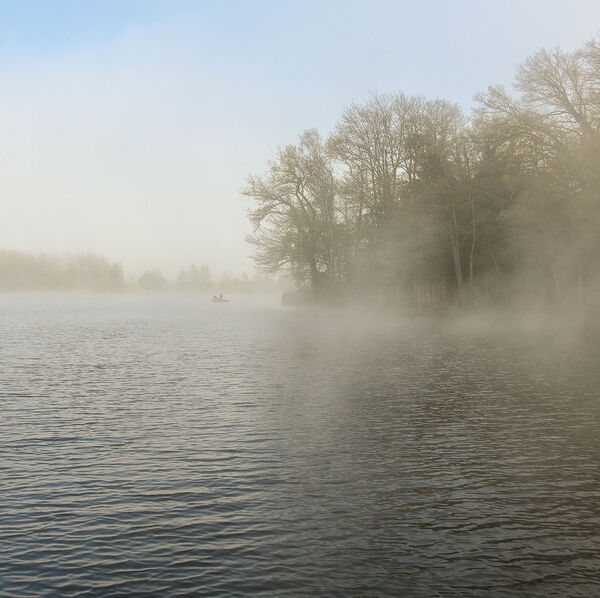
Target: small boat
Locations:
point(219, 299)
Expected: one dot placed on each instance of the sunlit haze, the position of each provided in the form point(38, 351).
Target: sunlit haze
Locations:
point(128, 128)
point(299, 298)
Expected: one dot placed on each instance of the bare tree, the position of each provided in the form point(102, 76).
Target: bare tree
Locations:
point(295, 215)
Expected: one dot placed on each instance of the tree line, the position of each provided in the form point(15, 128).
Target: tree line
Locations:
point(25, 271)
point(411, 200)
point(20, 271)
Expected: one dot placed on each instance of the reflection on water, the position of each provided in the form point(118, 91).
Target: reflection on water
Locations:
point(173, 446)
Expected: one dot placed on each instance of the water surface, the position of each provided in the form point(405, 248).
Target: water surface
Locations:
point(167, 445)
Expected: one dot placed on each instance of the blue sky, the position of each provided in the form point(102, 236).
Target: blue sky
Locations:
point(129, 126)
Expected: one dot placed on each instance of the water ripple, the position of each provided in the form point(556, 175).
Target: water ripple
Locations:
point(158, 446)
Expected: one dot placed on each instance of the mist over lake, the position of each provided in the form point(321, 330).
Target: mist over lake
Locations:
point(299, 298)
point(162, 443)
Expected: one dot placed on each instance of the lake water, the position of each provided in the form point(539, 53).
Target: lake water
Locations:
point(165, 445)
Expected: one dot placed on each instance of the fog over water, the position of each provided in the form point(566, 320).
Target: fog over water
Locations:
point(299, 298)
point(154, 444)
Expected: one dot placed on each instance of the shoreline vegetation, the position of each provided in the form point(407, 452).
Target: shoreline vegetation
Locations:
point(93, 274)
point(409, 203)
point(411, 206)
point(21, 271)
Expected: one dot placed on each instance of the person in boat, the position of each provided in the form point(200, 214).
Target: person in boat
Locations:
point(220, 296)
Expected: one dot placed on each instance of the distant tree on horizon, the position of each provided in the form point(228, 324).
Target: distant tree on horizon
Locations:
point(195, 278)
point(27, 271)
point(152, 280)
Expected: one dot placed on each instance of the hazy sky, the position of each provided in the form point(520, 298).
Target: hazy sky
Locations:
point(127, 128)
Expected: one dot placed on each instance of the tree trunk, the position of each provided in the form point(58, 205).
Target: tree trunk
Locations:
point(454, 240)
point(314, 275)
point(580, 278)
point(501, 276)
point(473, 239)
point(556, 283)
